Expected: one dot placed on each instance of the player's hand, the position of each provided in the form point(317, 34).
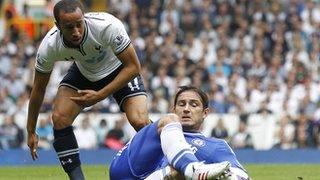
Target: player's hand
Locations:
point(174, 175)
point(87, 97)
point(33, 145)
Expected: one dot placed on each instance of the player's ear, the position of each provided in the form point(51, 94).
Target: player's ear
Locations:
point(205, 112)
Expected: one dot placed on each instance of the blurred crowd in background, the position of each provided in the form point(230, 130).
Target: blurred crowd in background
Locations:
point(250, 56)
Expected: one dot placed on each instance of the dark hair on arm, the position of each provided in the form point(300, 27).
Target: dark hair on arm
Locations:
point(203, 95)
point(66, 6)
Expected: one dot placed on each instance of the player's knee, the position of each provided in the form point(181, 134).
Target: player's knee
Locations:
point(139, 125)
point(139, 119)
point(169, 118)
point(60, 120)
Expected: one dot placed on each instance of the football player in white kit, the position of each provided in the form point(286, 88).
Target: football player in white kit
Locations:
point(105, 63)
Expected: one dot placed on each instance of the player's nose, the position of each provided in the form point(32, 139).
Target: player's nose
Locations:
point(186, 108)
point(76, 32)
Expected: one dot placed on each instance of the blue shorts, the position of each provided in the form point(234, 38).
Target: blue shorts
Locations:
point(140, 157)
point(75, 80)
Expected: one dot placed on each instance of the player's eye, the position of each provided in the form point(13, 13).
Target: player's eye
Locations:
point(69, 27)
point(193, 104)
point(78, 25)
point(181, 103)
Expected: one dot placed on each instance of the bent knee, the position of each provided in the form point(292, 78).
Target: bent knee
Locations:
point(139, 124)
point(138, 118)
point(60, 120)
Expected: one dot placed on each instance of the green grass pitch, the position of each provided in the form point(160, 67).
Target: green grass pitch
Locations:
point(97, 172)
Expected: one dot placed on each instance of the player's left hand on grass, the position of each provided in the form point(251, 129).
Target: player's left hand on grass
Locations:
point(87, 98)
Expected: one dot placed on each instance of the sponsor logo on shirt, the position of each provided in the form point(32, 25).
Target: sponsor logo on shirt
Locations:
point(96, 59)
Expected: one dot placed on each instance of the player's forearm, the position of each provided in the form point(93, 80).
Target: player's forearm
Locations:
point(33, 111)
point(124, 76)
point(36, 98)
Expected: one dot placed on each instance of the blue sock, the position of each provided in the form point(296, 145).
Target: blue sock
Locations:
point(183, 158)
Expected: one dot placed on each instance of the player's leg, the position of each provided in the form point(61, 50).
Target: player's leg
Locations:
point(65, 143)
point(224, 152)
point(140, 157)
point(179, 153)
point(132, 100)
point(136, 111)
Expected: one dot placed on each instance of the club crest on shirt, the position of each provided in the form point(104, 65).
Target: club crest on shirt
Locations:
point(119, 40)
point(198, 142)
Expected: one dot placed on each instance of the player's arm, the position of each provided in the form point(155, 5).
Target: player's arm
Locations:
point(36, 99)
point(118, 39)
point(131, 68)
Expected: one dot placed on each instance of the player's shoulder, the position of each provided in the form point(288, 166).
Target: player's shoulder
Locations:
point(51, 38)
point(100, 18)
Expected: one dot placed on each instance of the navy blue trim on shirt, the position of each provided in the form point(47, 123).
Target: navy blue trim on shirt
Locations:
point(124, 48)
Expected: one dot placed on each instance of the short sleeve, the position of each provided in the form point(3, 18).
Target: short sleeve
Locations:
point(44, 63)
point(118, 38)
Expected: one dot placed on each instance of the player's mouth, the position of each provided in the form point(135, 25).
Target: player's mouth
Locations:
point(76, 40)
point(186, 117)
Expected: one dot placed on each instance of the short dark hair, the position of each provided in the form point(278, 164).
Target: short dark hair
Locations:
point(203, 95)
point(67, 6)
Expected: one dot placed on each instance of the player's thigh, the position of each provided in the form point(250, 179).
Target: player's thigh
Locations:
point(132, 89)
point(132, 100)
point(145, 151)
point(64, 109)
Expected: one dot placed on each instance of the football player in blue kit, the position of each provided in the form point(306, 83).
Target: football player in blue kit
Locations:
point(104, 63)
point(174, 147)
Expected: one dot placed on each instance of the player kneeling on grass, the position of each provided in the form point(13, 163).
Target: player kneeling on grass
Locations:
point(174, 147)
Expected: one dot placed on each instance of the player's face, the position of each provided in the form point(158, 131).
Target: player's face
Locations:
point(71, 26)
point(190, 110)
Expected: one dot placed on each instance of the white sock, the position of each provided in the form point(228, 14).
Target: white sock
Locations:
point(175, 147)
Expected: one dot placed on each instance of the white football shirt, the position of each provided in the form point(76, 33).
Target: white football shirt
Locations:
point(104, 38)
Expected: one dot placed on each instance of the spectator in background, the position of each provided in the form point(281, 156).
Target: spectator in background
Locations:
point(220, 131)
point(264, 110)
point(216, 96)
point(286, 133)
point(159, 103)
point(102, 130)
point(11, 136)
point(85, 135)
point(162, 81)
point(5, 101)
point(241, 139)
point(304, 132)
point(10, 10)
point(115, 137)
point(45, 133)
